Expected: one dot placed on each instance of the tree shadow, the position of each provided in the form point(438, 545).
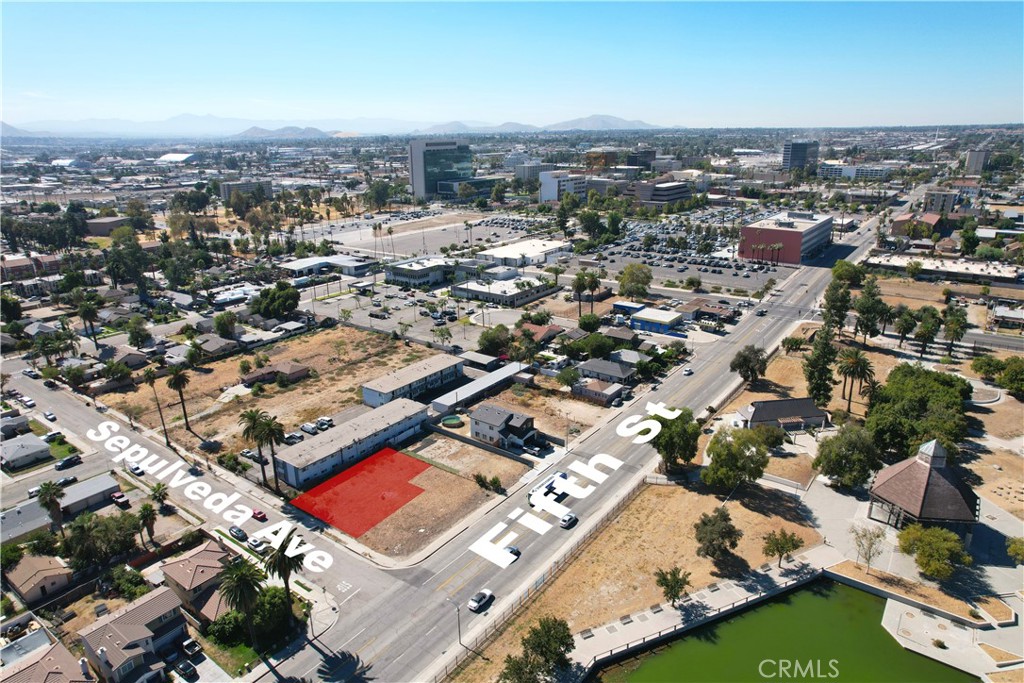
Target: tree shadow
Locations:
point(988, 547)
point(968, 582)
point(730, 566)
point(757, 581)
point(343, 666)
point(772, 503)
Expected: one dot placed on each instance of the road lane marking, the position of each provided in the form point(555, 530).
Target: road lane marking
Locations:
point(350, 597)
point(456, 574)
point(439, 571)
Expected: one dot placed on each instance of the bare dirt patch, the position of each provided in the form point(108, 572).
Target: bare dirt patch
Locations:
point(1000, 476)
point(468, 460)
point(911, 589)
point(1000, 655)
point(599, 587)
point(446, 498)
point(1011, 676)
point(996, 608)
point(795, 467)
point(436, 222)
point(571, 309)
point(552, 411)
point(1004, 419)
point(341, 360)
point(85, 615)
point(915, 294)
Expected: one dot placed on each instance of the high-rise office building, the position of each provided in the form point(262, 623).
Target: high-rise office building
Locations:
point(431, 161)
point(800, 154)
point(976, 160)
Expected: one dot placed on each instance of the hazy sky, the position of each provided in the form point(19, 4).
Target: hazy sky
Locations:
point(723, 64)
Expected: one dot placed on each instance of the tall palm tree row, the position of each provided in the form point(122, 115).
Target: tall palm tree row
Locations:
point(854, 366)
point(177, 379)
point(593, 284)
point(149, 377)
point(251, 422)
point(271, 434)
point(579, 285)
point(89, 313)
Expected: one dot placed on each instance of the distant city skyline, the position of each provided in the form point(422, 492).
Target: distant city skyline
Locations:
point(668, 64)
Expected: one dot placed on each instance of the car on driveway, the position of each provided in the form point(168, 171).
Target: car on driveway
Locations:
point(186, 670)
point(49, 415)
point(27, 402)
point(238, 533)
point(120, 499)
point(479, 602)
point(309, 428)
point(259, 515)
point(191, 647)
point(136, 470)
point(293, 438)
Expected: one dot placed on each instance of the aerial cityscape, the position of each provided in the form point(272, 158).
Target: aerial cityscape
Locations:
point(522, 342)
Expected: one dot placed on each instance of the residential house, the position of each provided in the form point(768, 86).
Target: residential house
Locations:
point(622, 335)
point(51, 663)
point(37, 577)
point(13, 425)
point(112, 317)
point(195, 576)
point(33, 330)
point(131, 357)
point(214, 345)
point(292, 371)
point(607, 371)
point(542, 334)
point(596, 391)
point(22, 451)
point(499, 427)
point(128, 646)
point(628, 357)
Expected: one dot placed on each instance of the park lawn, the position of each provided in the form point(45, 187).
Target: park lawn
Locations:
point(62, 450)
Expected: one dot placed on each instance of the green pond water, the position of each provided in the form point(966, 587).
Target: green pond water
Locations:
point(823, 622)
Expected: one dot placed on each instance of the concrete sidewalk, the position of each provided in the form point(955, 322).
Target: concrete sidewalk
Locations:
point(699, 607)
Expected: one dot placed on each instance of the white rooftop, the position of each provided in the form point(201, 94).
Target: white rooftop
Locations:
point(528, 248)
point(502, 287)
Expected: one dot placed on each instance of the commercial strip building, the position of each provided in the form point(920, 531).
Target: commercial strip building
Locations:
point(327, 453)
point(660, 193)
point(802, 154)
point(245, 187)
point(554, 184)
point(655, 320)
point(944, 269)
point(525, 253)
point(413, 380)
point(353, 266)
point(787, 237)
point(513, 293)
point(420, 272)
point(837, 170)
point(432, 161)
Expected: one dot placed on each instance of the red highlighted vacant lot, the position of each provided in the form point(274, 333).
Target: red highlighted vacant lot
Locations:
point(365, 494)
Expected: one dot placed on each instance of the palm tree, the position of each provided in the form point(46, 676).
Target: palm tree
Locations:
point(147, 515)
point(159, 493)
point(904, 325)
point(89, 314)
point(241, 585)
point(886, 316)
point(50, 495)
point(593, 284)
point(955, 327)
point(391, 234)
point(870, 390)
point(272, 433)
point(279, 564)
point(579, 285)
point(252, 423)
point(149, 377)
point(177, 380)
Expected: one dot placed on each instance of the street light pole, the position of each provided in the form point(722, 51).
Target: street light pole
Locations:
point(458, 619)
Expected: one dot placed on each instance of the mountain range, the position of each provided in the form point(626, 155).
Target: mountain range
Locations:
point(191, 125)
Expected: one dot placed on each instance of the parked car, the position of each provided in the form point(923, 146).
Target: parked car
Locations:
point(50, 437)
point(49, 384)
point(238, 533)
point(136, 470)
point(120, 499)
point(27, 402)
point(309, 428)
point(66, 481)
point(67, 462)
point(259, 515)
point(292, 438)
point(323, 425)
point(247, 453)
point(258, 546)
point(479, 602)
point(186, 670)
point(32, 373)
point(191, 647)
point(33, 492)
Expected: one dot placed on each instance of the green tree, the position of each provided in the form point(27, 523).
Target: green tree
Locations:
point(737, 456)
point(89, 313)
point(955, 326)
point(850, 456)
point(937, 551)
point(149, 377)
point(677, 440)
point(817, 367)
point(271, 433)
point(1011, 378)
point(781, 543)
point(241, 585)
point(251, 422)
point(869, 542)
point(10, 556)
point(495, 341)
point(988, 367)
point(914, 269)
point(278, 563)
point(159, 493)
point(550, 641)
point(750, 362)
point(224, 324)
point(853, 366)
point(634, 281)
point(579, 285)
point(716, 534)
point(138, 333)
point(905, 324)
point(1015, 549)
point(673, 583)
point(835, 305)
point(567, 377)
point(177, 379)
point(589, 322)
point(49, 497)
point(849, 273)
point(790, 344)
point(869, 307)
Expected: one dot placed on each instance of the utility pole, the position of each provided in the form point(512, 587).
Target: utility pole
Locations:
point(458, 619)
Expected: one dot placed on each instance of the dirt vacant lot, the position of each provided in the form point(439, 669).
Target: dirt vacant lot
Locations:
point(916, 294)
point(1000, 475)
point(340, 360)
point(446, 499)
point(468, 460)
point(654, 531)
point(551, 409)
